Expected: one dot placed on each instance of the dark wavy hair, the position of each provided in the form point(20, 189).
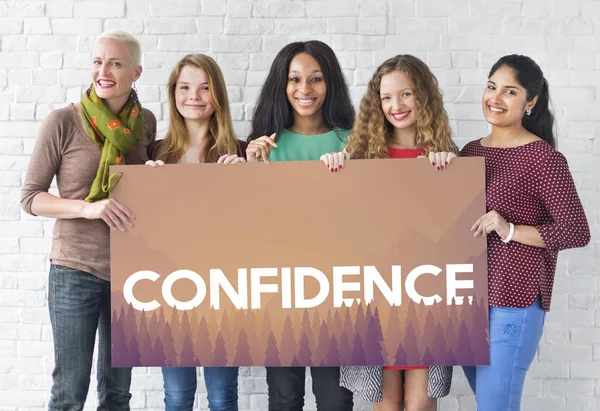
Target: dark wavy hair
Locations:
point(529, 75)
point(273, 111)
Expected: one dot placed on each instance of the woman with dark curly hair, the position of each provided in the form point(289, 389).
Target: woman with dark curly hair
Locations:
point(402, 115)
point(304, 110)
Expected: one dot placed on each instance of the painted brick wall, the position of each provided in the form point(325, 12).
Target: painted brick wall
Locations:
point(44, 63)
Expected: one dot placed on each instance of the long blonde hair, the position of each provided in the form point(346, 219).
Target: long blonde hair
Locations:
point(372, 133)
point(221, 137)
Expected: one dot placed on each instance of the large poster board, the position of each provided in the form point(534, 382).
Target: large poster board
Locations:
point(289, 264)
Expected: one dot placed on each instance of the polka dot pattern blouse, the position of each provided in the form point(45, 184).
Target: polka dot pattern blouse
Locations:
point(529, 185)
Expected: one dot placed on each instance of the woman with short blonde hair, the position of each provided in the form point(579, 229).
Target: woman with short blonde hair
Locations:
point(78, 144)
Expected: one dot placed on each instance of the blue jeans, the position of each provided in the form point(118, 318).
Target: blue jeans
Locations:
point(514, 337)
point(221, 387)
point(79, 304)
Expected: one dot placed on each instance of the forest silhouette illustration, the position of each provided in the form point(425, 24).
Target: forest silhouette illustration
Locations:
point(414, 334)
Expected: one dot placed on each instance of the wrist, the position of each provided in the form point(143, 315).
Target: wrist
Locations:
point(81, 209)
point(511, 233)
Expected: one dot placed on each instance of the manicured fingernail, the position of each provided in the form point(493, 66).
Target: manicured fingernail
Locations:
point(432, 163)
point(331, 169)
point(447, 162)
point(438, 167)
point(335, 169)
point(340, 166)
point(442, 167)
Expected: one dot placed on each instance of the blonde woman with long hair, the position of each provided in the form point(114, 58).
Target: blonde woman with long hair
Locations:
point(200, 131)
point(200, 127)
point(402, 115)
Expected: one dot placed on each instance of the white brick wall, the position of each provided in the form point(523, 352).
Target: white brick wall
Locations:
point(44, 51)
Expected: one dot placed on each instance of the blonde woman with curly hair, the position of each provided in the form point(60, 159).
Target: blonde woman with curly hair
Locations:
point(401, 116)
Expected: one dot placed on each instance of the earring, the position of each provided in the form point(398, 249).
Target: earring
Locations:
point(134, 94)
point(529, 112)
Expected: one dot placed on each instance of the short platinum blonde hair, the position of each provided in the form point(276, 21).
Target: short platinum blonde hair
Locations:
point(133, 45)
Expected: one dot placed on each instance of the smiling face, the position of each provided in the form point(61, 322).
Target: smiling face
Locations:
point(504, 101)
point(398, 100)
point(112, 71)
point(192, 94)
point(306, 89)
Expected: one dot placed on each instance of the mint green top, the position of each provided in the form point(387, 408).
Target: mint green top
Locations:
point(295, 147)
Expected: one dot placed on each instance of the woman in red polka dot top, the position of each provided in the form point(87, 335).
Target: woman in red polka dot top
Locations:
point(534, 211)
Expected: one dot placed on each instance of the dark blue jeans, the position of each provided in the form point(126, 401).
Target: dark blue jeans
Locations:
point(286, 389)
point(79, 305)
point(221, 388)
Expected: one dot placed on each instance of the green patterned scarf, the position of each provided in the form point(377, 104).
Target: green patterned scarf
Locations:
point(115, 136)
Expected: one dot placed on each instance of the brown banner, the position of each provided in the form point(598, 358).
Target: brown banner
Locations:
point(289, 264)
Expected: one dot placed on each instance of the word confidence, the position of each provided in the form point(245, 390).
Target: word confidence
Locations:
point(342, 282)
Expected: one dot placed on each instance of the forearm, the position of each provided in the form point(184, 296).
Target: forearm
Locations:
point(47, 205)
point(528, 235)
